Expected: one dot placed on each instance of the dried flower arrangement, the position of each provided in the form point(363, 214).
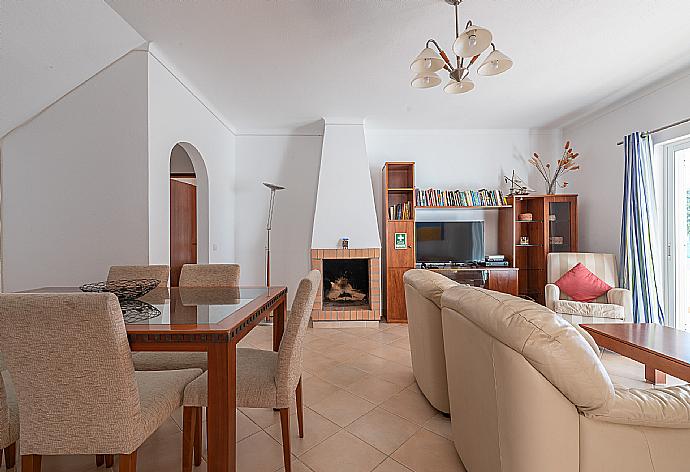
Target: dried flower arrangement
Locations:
point(565, 164)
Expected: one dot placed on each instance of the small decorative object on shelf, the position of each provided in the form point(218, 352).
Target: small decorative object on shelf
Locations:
point(525, 217)
point(524, 240)
point(565, 164)
point(459, 198)
point(124, 290)
point(345, 243)
point(517, 185)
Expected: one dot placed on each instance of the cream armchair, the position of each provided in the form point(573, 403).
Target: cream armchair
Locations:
point(614, 306)
point(529, 394)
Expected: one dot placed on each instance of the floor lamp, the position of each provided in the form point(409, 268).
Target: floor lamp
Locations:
point(271, 205)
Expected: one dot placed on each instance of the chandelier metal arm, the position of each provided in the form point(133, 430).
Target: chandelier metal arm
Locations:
point(442, 53)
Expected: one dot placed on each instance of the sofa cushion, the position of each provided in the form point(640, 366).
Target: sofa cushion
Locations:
point(580, 284)
point(597, 310)
point(429, 284)
point(546, 340)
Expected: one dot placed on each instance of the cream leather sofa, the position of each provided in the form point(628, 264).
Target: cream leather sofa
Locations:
point(529, 394)
point(423, 290)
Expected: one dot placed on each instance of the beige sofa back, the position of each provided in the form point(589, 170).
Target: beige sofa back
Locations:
point(423, 290)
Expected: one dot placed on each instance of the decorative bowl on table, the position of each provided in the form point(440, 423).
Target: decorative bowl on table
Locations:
point(124, 290)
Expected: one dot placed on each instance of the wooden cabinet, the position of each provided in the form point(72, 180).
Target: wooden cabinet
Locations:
point(398, 236)
point(527, 243)
point(500, 279)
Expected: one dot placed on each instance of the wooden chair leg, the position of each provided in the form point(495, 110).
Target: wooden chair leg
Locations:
point(300, 409)
point(100, 460)
point(10, 455)
point(31, 463)
point(109, 460)
point(189, 419)
point(198, 436)
point(285, 428)
point(128, 462)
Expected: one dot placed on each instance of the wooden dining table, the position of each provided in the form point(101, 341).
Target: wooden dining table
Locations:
point(211, 320)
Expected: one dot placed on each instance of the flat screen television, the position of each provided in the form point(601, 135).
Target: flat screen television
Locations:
point(450, 242)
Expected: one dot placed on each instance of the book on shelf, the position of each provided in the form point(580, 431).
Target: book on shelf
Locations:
point(401, 211)
point(458, 198)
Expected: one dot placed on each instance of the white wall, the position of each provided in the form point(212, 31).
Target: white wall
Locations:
point(344, 199)
point(175, 115)
point(74, 183)
point(290, 161)
point(600, 183)
point(460, 159)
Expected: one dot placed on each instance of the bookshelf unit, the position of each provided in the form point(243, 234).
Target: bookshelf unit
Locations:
point(398, 189)
point(553, 228)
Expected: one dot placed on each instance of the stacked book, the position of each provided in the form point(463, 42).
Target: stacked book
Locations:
point(458, 198)
point(401, 211)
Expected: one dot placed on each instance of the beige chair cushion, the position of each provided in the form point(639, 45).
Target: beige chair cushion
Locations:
point(158, 272)
point(597, 310)
point(256, 386)
point(546, 340)
point(210, 275)
point(602, 265)
point(169, 360)
point(9, 411)
point(160, 394)
point(430, 285)
point(659, 407)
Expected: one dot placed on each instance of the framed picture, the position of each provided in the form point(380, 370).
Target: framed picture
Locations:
point(400, 240)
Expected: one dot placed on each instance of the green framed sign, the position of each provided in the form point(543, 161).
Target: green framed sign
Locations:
point(400, 240)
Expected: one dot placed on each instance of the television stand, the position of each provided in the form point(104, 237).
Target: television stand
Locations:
point(500, 279)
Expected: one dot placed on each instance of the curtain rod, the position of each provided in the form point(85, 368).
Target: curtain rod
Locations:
point(647, 133)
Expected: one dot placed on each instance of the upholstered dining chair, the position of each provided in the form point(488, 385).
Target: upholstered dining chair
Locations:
point(265, 379)
point(9, 417)
point(76, 386)
point(210, 275)
point(158, 272)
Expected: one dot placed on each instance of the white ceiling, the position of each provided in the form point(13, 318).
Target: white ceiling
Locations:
point(49, 47)
point(279, 63)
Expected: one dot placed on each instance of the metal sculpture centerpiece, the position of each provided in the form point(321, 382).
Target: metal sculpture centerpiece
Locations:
point(468, 47)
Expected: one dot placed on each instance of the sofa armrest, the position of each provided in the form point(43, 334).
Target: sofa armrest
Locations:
point(622, 297)
point(661, 408)
point(552, 294)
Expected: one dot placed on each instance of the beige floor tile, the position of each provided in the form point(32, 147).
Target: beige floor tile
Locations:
point(383, 430)
point(365, 345)
point(313, 361)
point(411, 405)
point(361, 332)
point(440, 425)
point(264, 417)
point(316, 429)
point(429, 452)
point(398, 374)
point(342, 352)
point(341, 375)
point(315, 389)
point(343, 452)
point(395, 354)
point(245, 426)
point(259, 453)
point(385, 337)
point(342, 407)
point(389, 465)
point(369, 363)
point(402, 343)
point(374, 389)
point(297, 466)
point(322, 345)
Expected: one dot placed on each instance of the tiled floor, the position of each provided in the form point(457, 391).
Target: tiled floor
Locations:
point(363, 412)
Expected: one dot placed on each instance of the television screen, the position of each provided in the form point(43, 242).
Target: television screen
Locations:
point(456, 241)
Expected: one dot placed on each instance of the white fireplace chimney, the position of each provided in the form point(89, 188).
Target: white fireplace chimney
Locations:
point(345, 197)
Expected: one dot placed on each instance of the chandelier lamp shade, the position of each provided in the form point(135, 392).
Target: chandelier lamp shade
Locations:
point(467, 48)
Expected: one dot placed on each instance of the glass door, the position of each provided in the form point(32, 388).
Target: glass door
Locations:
point(676, 214)
point(560, 227)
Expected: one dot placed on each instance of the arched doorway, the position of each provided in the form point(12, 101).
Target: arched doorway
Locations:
point(188, 209)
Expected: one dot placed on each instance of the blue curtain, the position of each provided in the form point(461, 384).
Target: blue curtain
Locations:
point(637, 256)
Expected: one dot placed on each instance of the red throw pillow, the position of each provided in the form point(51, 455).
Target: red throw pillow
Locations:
point(582, 285)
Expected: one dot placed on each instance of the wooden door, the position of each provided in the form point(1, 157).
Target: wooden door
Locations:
point(504, 280)
point(403, 256)
point(396, 309)
point(182, 227)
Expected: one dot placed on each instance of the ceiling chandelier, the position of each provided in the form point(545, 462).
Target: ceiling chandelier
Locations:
point(468, 46)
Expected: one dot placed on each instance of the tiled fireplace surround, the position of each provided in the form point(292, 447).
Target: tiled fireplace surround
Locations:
point(373, 314)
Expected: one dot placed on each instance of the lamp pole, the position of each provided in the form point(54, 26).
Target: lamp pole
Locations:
point(271, 206)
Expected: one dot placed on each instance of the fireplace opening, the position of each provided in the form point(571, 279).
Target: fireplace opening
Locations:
point(346, 283)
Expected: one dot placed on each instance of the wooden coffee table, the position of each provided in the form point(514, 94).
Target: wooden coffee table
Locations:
point(661, 349)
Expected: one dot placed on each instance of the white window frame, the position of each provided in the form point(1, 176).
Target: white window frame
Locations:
point(670, 253)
